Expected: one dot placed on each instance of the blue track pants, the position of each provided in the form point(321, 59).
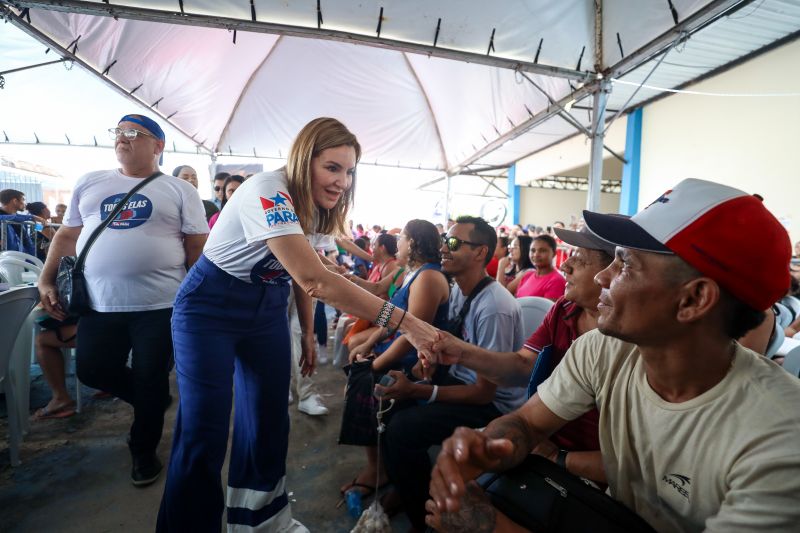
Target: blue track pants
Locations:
point(231, 342)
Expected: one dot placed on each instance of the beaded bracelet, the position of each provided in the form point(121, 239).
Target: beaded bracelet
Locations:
point(384, 315)
point(397, 327)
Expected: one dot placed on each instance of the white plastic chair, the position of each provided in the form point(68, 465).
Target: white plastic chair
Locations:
point(793, 304)
point(22, 255)
point(15, 306)
point(776, 340)
point(792, 362)
point(19, 271)
point(783, 315)
point(790, 350)
point(534, 309)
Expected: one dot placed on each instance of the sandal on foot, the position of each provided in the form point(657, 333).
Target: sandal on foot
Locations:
point(65, 411)
point(368, 491)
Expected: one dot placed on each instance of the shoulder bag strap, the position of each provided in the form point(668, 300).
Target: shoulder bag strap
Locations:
point(468, 302)
point(107, 222)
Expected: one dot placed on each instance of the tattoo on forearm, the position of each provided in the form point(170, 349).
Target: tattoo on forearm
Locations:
point(476, 514)
point(513, 428)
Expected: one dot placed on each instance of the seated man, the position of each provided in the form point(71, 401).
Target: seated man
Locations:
point(17, 236)
point(696, 431)
point(570, 317)
point(493, 321)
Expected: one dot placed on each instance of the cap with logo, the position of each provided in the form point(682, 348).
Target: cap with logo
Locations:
point(585, 239)
point(706, 224)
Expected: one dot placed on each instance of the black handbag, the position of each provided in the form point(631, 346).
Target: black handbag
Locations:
point(359, 425)
point(73, 292)
point(543, 497)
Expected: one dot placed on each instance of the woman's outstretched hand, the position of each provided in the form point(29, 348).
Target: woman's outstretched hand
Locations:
point(419, 333)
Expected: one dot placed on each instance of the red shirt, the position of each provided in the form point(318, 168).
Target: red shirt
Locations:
point(491, 268)
point(378, 270)
point(559, 329)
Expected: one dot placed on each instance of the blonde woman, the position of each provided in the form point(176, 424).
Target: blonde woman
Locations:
point(230, 331)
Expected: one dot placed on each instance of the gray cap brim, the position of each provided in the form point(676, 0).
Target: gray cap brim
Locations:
point(585, 239)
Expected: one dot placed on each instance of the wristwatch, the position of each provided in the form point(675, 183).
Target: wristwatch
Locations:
point(561, 459)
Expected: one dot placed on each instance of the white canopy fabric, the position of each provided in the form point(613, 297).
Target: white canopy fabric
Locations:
point(248, 91)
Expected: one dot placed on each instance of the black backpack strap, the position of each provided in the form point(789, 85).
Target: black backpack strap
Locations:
point(107, 222)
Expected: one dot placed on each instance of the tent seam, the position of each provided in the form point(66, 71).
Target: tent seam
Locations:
point(430, 109)
point(244, 91)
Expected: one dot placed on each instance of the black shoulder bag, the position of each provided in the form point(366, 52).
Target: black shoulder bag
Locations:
point(543, 497)
point(73, 294)
point(456, 325)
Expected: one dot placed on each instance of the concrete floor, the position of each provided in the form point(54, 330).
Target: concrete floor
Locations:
point(75, 472)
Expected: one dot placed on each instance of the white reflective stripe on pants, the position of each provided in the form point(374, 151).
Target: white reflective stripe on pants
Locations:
point(254, 499)
point(280, 523)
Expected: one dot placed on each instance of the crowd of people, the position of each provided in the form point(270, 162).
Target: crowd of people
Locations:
point(646, 391)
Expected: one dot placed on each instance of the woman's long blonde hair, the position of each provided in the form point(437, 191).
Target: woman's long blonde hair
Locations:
point(316, 136)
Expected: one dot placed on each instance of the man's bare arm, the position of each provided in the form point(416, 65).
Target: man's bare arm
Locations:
point(193, 247)
point(504, 443)
point(506, 369)
point(353, 248)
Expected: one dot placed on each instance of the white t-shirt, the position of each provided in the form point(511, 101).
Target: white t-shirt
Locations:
point(138, 262)
point(727, 461)
point(261, 209)
point(322, 242)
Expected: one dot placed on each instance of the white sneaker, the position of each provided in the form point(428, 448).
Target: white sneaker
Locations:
point(312, 406)
point(322, 354)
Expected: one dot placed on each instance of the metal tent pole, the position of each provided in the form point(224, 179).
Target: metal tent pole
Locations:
point(596, 162)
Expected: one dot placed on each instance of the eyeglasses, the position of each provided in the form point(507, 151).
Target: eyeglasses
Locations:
point(128, 133)
point(454, 243)
point(217, 188)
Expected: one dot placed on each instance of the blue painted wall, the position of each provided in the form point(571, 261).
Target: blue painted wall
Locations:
point(513, 195)
point(629, 197)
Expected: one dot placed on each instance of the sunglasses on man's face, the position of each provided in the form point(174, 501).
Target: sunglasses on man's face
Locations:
point(217, 188)
point(454, 243)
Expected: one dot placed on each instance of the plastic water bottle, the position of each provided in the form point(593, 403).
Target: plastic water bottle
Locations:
point(353, 498)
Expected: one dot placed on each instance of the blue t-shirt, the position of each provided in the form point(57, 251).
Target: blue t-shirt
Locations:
point(357, 261)
point(493, 322)
point(21, 241)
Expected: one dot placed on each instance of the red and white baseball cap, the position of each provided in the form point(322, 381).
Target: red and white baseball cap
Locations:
point(709, 226)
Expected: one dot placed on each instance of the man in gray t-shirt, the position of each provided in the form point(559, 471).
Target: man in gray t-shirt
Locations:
point(462, 398)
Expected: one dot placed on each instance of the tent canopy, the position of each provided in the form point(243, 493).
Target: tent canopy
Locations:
point(445, 85)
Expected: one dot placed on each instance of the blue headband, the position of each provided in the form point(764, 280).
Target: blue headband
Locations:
point(150, 125)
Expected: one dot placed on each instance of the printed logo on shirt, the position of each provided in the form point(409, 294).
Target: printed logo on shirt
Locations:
point(278, 209)
point(678, 482)
point(269, 271)
point(136, 212)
